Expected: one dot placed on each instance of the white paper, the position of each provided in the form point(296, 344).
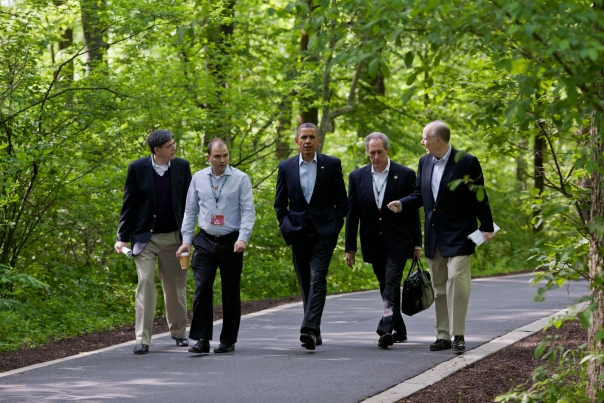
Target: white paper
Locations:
point(127, 252)
point(477, 237)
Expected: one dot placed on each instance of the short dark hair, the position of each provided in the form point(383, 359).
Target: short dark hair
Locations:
point(306, 126)
point(158, 138)
point(215, 141)
point(439, 129)
point(377, 136)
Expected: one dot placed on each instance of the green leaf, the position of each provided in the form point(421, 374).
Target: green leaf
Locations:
point(411, 78)
point(373, 67)
point(409, 59)
point(586, 318)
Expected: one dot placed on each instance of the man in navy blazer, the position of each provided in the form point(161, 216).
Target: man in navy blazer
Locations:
point(450, 186)
point(387, 239)
point(310, 203)
point(154, 203)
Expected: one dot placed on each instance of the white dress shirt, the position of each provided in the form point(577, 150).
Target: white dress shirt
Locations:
point(378, 183)
point(437, 172)
point(160, 169)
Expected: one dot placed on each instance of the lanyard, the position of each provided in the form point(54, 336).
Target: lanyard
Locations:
point(381, 188)
point(216, 197)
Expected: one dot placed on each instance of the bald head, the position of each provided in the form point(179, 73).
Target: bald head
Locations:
point(435, 138)
point(438, 129)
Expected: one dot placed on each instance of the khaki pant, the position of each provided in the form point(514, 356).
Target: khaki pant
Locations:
point(452, 285)
point(161, 247)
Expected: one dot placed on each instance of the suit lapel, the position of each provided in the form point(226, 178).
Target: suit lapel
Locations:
point(391, 184)
point(148, 175)
point(320, 175)
point(427, 168)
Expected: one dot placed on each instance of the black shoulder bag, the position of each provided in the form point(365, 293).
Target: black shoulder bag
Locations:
point(418, 293)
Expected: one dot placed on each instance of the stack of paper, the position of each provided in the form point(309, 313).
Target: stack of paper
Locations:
point(477, 237)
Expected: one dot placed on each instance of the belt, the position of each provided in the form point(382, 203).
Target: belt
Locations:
point(219, 238)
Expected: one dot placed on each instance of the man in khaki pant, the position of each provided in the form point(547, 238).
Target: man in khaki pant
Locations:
point(451, 213)
point(154, 202)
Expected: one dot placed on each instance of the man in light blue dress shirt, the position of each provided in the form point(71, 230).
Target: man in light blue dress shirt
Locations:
point(220, 199)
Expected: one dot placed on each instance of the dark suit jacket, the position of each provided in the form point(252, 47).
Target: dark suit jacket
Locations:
point(452, 217)
point(139, 209)
point(327, 207)
point(399, 233)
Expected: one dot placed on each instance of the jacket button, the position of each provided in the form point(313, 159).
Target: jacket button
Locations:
point(380, 218)
point(154, 216)
point(380, 233)
point(432, 225)
point(432, 210)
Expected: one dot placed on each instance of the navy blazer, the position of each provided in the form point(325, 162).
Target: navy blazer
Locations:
point(139, 210)
point(452, 217)
point(399, 233)
point(327, 207)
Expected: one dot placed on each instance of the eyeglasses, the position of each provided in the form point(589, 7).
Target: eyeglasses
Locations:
point(171, 146)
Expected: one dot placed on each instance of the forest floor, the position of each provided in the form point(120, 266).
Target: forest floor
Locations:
point(478, 383)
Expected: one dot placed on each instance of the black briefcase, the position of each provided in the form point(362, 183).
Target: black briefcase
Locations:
point(418, 293)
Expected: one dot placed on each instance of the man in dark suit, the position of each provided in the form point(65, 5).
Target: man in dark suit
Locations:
point(450, 186)
point(310, 203)
point(387, 239)
point(154, 202)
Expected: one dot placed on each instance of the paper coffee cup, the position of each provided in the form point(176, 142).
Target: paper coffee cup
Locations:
point(184, 260)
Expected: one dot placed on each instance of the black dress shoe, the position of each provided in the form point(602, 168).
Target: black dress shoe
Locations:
point(317, 343)
point(459, 344)
point(309, 340)
point(385, 340)
point(399, 338)
point(440, 344)
point(141, 349)
point(225, 348)
point(202, 346)
point(181, 342)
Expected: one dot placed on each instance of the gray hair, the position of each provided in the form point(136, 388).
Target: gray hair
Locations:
point(307, 126)
point(158, 138)
point(376, 136)
point(438, 129)
point(215, 142)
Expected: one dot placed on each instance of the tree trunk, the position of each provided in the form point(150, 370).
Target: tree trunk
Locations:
point(308, 113)
point(93, 32)
point(595, 382)
point(538, 170)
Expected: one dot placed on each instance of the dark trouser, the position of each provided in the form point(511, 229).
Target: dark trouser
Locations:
point(389, 273)
point(210, 254)
point(311, 260)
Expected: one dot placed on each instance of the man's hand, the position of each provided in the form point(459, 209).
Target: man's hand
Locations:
point(488, 236)
point(119, 245)
point(417, 254)
point(395, 206)
point(350, 259)
point(240, 246)
point(185, 247)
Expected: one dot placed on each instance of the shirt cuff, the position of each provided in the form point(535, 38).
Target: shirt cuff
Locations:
point(418, 247)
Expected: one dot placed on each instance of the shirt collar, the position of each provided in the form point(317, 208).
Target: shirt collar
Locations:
point(159, 166)
point(301, 160)
point(227, 172)
point(385, 170)
point(445, 158)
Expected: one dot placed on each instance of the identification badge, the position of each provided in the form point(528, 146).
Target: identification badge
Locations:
point(217, 219)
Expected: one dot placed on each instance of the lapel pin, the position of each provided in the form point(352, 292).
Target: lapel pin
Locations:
point(395, 176)
point(322, 167)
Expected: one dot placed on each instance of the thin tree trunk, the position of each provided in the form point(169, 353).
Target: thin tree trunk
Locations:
point(93, 32)
point(538, 170)
point(308, 113)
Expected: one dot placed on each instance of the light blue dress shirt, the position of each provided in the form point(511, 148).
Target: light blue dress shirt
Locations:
point(308, 177)
point(438, 171)
point(236, 203)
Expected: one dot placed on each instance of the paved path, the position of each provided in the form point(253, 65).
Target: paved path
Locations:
point(270, 366)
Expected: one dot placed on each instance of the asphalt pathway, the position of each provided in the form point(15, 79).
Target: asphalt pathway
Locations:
point(269, 365)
